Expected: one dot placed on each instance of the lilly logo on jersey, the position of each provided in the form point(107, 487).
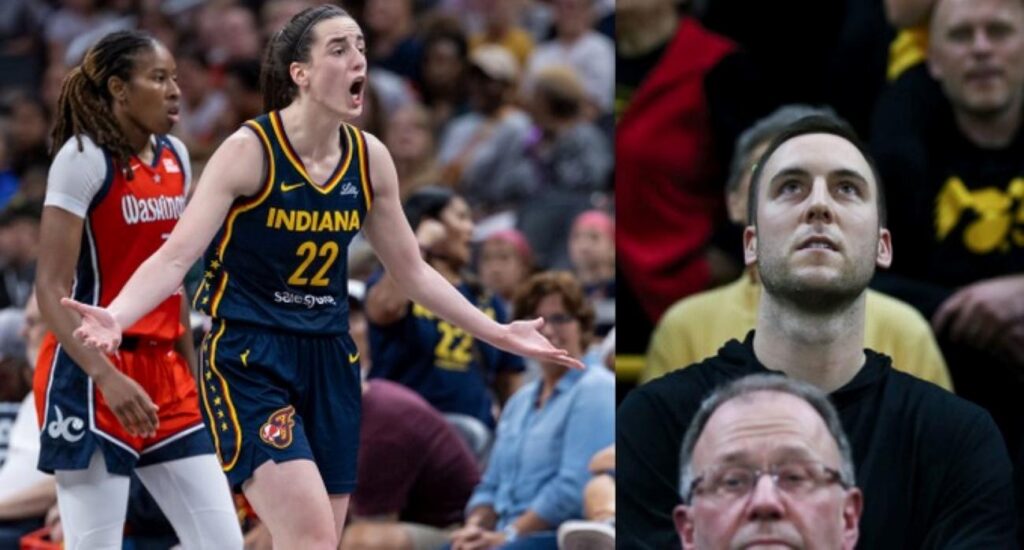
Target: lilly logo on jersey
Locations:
point(349, 189)
point(151, 209)
point(277, 430)
point(71, 428)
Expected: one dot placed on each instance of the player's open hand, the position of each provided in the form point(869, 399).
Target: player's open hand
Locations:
point(524, 338)
point(98, 330)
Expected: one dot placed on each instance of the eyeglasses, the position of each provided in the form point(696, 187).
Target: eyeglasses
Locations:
point(559, 319)
point(795, 478)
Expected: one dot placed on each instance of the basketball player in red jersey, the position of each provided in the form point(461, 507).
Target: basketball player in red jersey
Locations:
point(115, 191)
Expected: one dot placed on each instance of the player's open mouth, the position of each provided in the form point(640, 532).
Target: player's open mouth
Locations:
point(356, 90)
point(173, 113)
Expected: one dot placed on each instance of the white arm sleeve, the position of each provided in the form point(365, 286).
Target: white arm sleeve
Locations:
point(76, 176)
point(186, 164)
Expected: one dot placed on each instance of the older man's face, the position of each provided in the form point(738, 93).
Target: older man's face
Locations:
point(976, 50)
point(817, 238)
point(758, 431)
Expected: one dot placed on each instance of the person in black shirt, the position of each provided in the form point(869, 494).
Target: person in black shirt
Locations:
point(949, 140)
point(933, 469)
point(952, 151)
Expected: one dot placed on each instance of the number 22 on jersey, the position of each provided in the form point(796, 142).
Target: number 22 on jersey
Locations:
point(309, 251)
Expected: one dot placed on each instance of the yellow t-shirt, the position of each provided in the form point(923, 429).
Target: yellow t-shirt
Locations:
point(695, 327)
point(516, 40)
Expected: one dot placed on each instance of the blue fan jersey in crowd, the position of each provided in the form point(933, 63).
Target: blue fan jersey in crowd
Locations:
point(440, 361)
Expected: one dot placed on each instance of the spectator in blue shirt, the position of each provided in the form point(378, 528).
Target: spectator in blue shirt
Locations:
point(547, 433)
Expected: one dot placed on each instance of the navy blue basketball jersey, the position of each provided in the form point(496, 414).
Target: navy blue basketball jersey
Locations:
point(440, 361)
point(280, 258)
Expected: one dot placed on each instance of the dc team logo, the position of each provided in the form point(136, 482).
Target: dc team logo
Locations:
point(71, 428)
point(277, 431)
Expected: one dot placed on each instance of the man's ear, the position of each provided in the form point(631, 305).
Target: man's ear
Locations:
point(852, 507)
point(683, 518)
point(884, 258)
point(750, 245)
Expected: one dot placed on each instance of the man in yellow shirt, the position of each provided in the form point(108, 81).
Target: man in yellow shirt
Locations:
point(696, 327)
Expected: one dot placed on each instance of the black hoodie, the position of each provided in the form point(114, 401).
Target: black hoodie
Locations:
point(933, 468)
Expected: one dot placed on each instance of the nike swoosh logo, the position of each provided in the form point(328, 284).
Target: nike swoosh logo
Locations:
point(286, 188)
point(353, 357)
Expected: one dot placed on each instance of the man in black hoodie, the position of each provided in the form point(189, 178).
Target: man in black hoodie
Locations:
point(933, 468)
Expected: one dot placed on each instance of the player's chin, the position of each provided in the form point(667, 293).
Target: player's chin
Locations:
point(351, 110)
point(162, 126)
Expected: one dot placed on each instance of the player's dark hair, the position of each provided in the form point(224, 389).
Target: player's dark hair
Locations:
point(814, 124)
point(288, 45)
point(85, 103)
point(427, 203)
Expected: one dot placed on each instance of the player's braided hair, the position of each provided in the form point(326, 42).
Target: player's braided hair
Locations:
point(290, 44)
point(85, 102)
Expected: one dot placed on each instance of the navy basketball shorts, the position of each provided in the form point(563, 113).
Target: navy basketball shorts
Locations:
point(273, 395)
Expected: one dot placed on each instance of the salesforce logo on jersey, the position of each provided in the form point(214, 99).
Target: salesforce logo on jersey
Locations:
point(151, 209)
point(308, 300)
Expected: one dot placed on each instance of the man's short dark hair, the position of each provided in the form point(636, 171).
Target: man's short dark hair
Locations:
point(815, 124)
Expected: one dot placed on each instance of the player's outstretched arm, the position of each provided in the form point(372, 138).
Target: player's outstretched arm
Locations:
point(234, 170)
point(393, 240)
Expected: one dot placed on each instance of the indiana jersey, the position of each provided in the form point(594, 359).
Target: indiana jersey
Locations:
point(127, 221)
point(280, 258)
point(440, 361)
